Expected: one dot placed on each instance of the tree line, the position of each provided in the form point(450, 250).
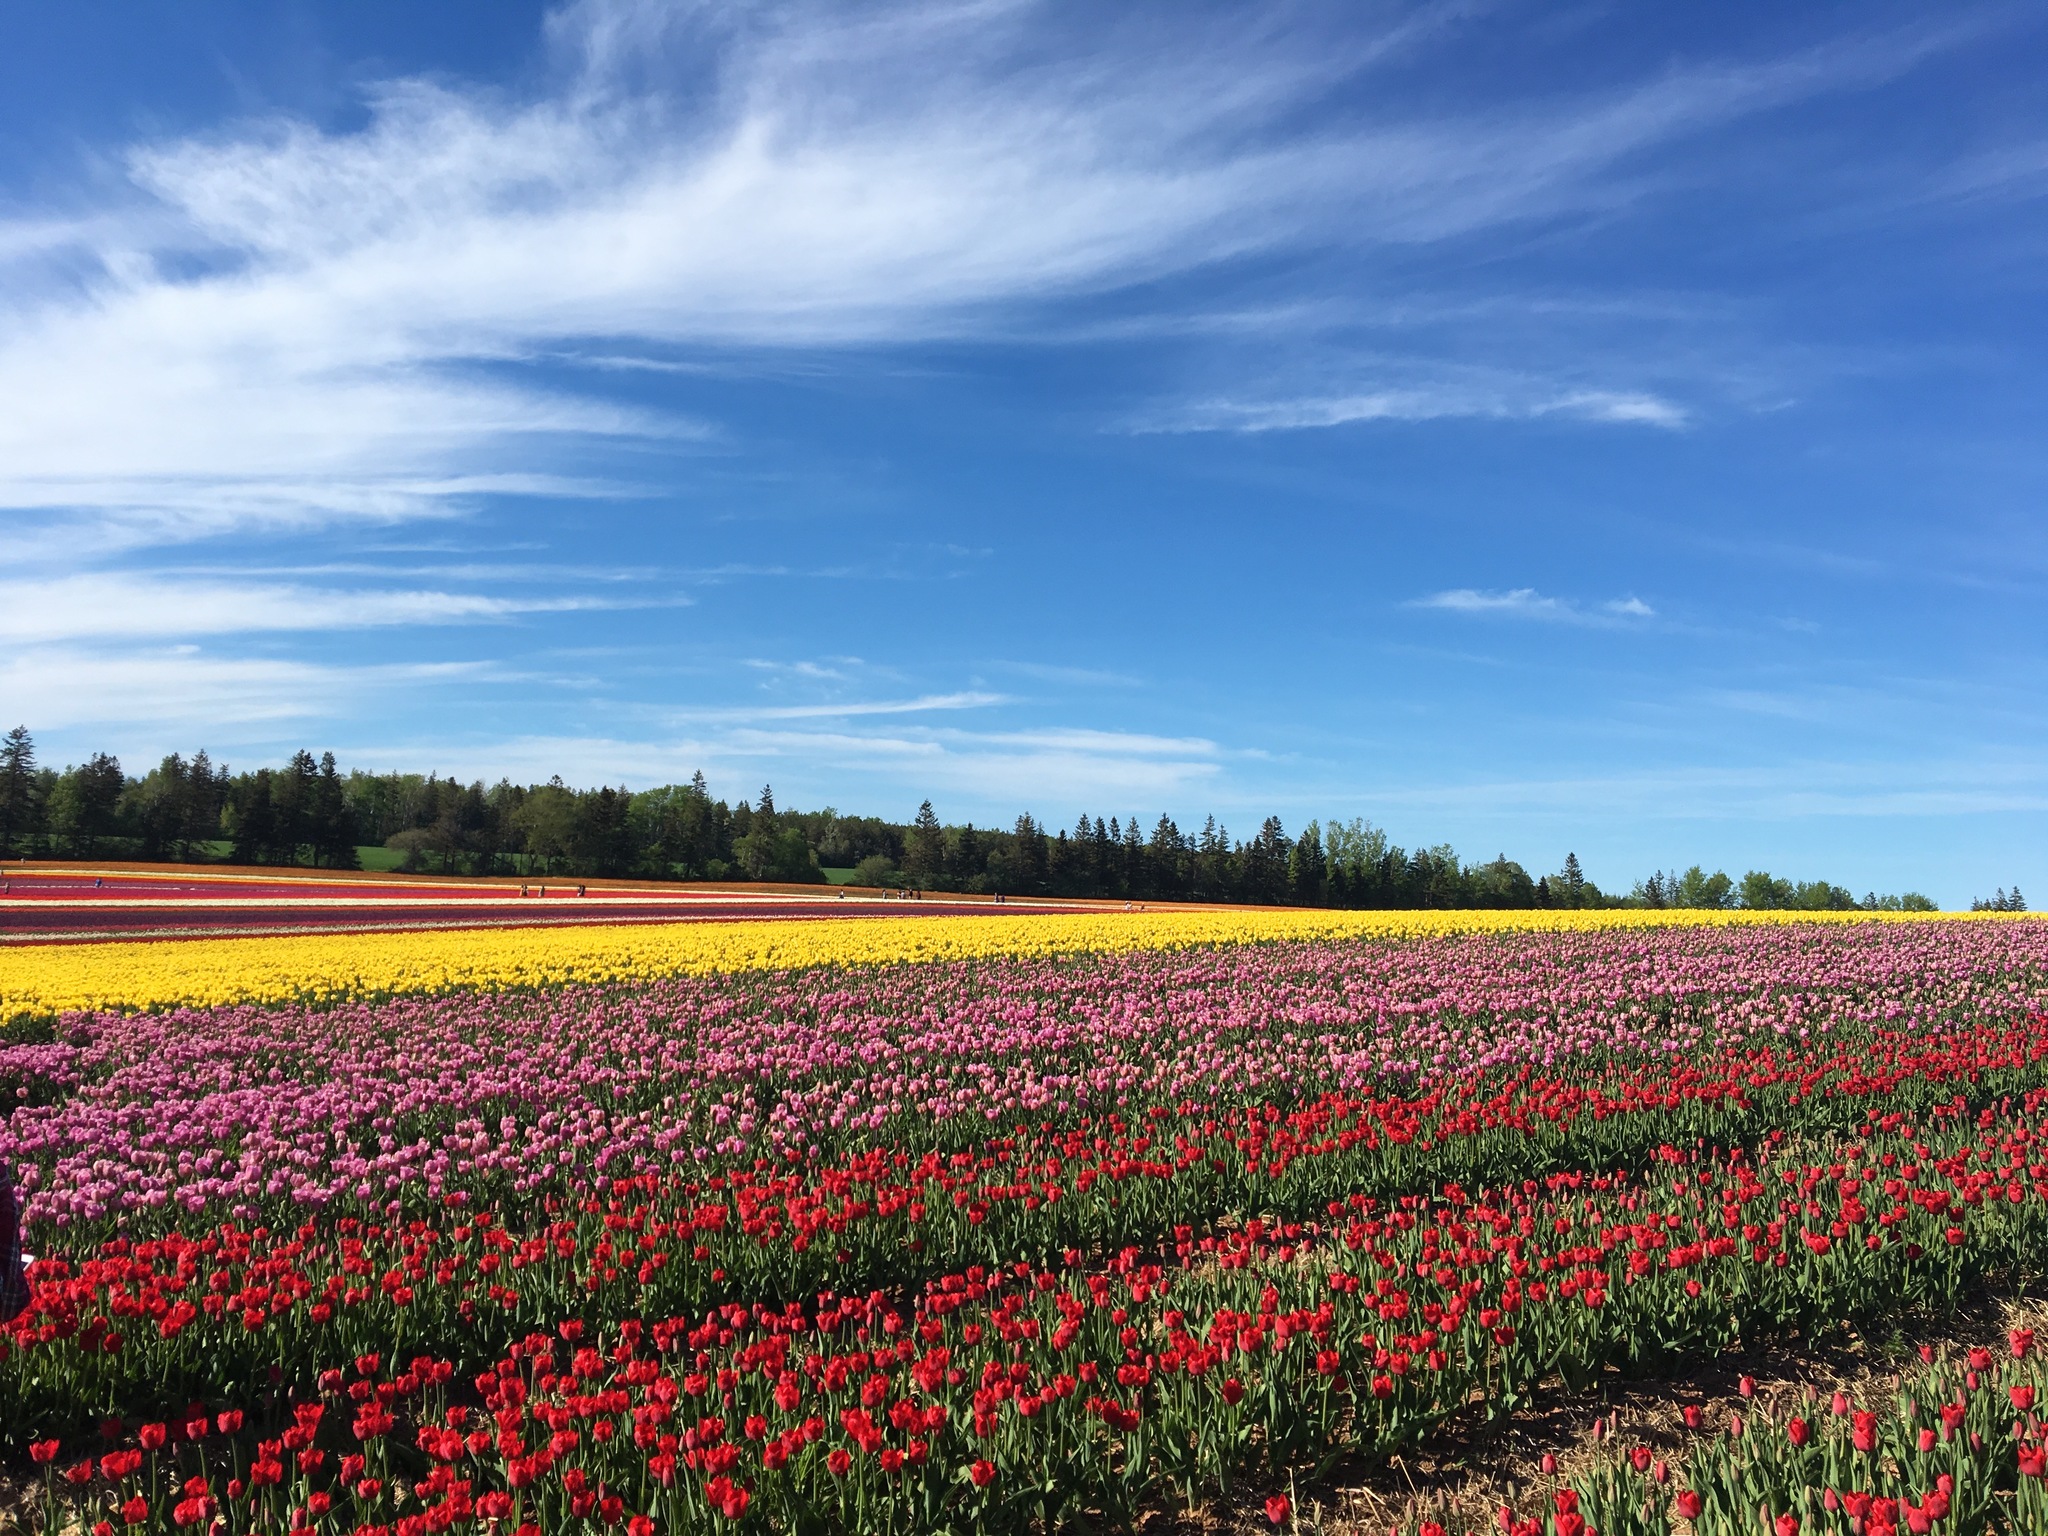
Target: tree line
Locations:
point(310, 813)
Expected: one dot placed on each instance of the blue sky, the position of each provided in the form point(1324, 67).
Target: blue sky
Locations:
point(1533, 427)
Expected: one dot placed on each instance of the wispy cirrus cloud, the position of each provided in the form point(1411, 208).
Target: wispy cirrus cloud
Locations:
point(1612, 407)
point(282, 325)
point(1528, 603)
point(848, 709)
point(1082, 677)
point(1789, 791)
point(128, 605)
point(179, 693)
point(1053, 772)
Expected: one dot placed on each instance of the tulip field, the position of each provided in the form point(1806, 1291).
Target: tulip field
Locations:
point(995, 1224)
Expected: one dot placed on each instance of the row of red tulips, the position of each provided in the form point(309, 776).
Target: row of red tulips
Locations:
point(1961, 1449)
point(145, 1325)
point(998, 1399)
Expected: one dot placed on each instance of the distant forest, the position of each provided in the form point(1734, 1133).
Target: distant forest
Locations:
point(310, 813)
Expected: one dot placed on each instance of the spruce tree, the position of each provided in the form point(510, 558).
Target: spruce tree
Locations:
point(924, 851)
point(18, 799)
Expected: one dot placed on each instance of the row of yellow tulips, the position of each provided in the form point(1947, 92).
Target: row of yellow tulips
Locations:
point(40, 979)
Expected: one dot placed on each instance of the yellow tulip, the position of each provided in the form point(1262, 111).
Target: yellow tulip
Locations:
point(53, 978)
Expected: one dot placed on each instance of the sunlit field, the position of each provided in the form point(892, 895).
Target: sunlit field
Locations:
point(1003, 1223)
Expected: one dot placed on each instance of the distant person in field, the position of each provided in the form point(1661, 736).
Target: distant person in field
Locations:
point(13, 1278)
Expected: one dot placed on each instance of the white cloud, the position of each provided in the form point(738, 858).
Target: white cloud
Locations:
point(991, 773)
point(850, 709)
point(292, 326)
point(63, 689)
point(1520, 602)
point(1425, 403)
point(1085, 677)
point(1528, 603)
point(1788, 790)
point(834, 669)
point(128, 605)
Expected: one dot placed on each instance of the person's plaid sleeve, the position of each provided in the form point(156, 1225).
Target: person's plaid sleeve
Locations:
point(13, 1282)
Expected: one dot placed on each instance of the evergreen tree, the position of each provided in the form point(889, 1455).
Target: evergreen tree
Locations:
point(84, 806)
point(332, 827)
point(1060, 864)
point(1031, 854)
point(206, 799)
point(1265, 863)
point(924, 851)
point(20, 800)
point(157, 808)
point(1130, 873)
point(308, 810)
point(598, 843)
point(1080, 871)
point(255, 826)
point(1308, 866)
point(1574, 881)
point(291, 793)
point(965, 859)
point(1168, 853)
